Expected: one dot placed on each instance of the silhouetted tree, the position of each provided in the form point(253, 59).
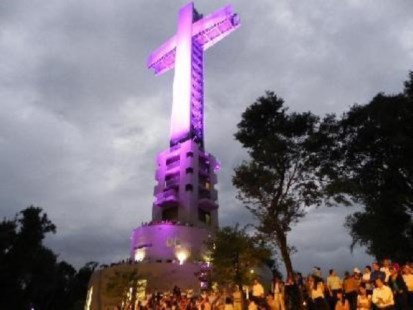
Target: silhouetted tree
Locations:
point(284, 171)
point(30, 275)
point(375, 143)
point(233, 254)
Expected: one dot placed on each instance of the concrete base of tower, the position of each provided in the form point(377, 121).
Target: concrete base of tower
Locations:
point(111, 286)
point(169, 242)
point(127, 283)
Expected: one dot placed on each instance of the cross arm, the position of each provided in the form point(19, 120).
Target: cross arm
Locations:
point(163, 58)
point(206, 32)
point(216, 26)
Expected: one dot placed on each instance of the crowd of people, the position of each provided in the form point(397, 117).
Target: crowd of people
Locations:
point(379, 286)
point(166, 222)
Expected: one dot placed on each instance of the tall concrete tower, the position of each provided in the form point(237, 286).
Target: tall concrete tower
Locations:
point(185, 208)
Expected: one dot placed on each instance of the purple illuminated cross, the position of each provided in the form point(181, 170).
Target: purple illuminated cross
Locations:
point(185, 52)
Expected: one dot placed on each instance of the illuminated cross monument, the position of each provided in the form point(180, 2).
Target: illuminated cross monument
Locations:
point(169, 249)
point(185, 209)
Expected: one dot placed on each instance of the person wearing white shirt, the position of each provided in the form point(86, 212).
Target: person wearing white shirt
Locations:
point(366, 280)
point(257, 292)
point(334, 284)
point(386, 268)
point(382, 295)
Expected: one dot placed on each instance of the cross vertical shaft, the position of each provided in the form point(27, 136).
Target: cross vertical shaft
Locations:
point(182, 118)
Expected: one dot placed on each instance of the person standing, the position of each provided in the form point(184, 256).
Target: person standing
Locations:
point(341, 303)
point(291, 292)
point(271, 305)
point(363, 299)
point(252, 305)
point(365, 279)
point(206, 305)
point(386, 264)
point(237, 298)
point(334, 284)
point(398, 287)
point(376, 273)
point(382, 295)
point(350, 287)
point(228, 304)
point(317, 294)
point(257, 292)
point(279, 294)
point(408, 279)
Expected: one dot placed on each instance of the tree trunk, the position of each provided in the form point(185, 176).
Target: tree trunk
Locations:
point(295, 297)
point(285, 254)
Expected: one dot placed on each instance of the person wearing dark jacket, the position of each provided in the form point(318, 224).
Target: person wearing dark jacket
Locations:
point(399, 288)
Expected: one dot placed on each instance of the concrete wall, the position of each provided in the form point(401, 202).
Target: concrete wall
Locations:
point(162, 241)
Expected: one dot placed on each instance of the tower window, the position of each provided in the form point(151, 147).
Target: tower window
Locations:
point(189, 187)
point(204, 216)
point(189, 170)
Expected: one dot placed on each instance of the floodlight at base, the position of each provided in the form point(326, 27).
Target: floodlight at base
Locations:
point(182, 255)
point(139, 255)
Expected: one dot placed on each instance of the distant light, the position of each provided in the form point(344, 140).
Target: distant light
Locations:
point(252, 271)
point(217, 167)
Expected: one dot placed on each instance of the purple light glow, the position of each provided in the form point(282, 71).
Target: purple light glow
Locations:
point(224, 21)
point(181, 109)
point(184, 51)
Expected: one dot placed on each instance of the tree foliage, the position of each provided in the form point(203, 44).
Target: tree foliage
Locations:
point(363, 157)
point(30, 275)
point(233, 254)
point(375, 142)
point(284, 172)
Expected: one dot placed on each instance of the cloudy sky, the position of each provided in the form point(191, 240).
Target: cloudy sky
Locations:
point(82, 119)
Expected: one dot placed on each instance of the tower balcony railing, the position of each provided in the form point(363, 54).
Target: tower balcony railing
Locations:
point(173, 165)
point(204, 170)
point(169, 196)
point(204, 194)
point(172, 182)
point(211, 194)
point(207, 203)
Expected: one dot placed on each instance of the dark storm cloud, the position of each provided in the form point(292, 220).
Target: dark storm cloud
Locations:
point(82, 119)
